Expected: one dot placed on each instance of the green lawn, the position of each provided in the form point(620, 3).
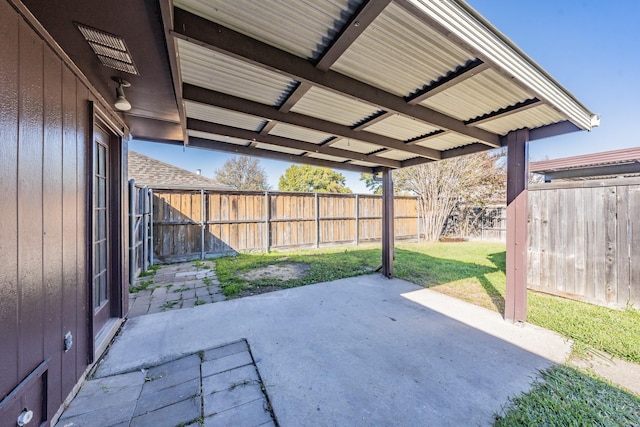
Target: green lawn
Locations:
point(567, 397)
point(326, 264)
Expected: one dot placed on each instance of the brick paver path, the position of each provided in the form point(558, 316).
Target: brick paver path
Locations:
point(175, 286)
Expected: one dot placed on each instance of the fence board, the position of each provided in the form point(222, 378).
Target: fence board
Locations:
point(586, 239)
point(243, 221)
point(634, 245)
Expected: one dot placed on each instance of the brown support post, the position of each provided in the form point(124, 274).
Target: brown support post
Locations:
point(387, 223)
point(517, 218)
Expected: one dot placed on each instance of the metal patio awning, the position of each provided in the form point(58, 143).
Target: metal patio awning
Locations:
point(355, 85)
point(362, 85)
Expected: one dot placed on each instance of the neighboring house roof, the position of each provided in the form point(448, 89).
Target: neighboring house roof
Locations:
point(151, 172)
point(624, 162)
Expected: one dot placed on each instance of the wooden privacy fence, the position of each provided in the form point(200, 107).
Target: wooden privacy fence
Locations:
point(187, 224)
point(584, 240)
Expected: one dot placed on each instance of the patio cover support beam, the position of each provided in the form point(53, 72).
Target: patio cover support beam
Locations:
point(517, 212)
point(359, 22)
point(226, 147)
point(217, 129)
point(294, 97)
point(387, 224)
point(469, 70)
point(373, 120)
point(218, 38)
point(503, 112)
point(232, 103)
point(463, 151)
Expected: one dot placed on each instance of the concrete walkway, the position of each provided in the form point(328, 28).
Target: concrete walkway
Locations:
point(358, 351)
point(175, 286)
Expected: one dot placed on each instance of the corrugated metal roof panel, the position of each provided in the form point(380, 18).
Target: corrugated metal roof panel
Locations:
point(326, 157)
point(447, 141)
point(313, 23)
point(475, 31)
point(223, 117)
point(202, 67)
point(279, 149)
point(299, 133)
point(400, 127)
point(355, 145)
point(220, 138)
point(531, 118)
point(326, 105)
point(396, 155)
point(400, 54)
point(483, 93)
point(361, 163)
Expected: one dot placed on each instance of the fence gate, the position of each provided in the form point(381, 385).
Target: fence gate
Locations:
point(140, 230)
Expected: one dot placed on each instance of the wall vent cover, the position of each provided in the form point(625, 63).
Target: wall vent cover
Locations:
point(110, 49)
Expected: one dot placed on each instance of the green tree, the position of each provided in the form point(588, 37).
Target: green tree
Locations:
point(374, 186)
point(474, 180)
point(243, 173)
point(314, 179)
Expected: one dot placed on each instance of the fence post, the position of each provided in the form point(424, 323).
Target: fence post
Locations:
point(201, 224)
point(357, 219)
point(418, 216)
point(267, 218)
point(145, 231)
point(132, 227)
point(150, 243)
point(317, 220)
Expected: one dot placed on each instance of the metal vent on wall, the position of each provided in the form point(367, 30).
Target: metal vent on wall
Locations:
point(109, 48)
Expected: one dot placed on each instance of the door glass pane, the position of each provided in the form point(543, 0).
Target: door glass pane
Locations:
point(102, 193)
point(100, 241)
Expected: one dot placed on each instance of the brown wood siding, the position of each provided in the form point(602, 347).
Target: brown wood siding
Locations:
point(584, 239)
point(45, 130)
point(9, 24)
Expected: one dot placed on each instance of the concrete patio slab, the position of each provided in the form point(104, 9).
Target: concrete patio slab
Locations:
point(358, 351)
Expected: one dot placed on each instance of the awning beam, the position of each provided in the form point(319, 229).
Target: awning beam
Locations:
point(469, 70)
point(232, 103)
point(273, 155)
point(218, 129)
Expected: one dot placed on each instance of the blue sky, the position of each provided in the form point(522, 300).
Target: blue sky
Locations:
point(591, 47)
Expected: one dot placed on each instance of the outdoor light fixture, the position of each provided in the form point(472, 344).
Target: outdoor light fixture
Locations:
point(121, 103)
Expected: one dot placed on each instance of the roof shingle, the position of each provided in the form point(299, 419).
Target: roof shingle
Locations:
point(148, 171)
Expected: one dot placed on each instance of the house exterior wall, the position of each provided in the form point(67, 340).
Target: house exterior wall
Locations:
point(45, 140)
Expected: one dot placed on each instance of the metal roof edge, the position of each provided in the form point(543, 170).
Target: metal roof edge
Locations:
point(458, 17)
point(625, 155)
